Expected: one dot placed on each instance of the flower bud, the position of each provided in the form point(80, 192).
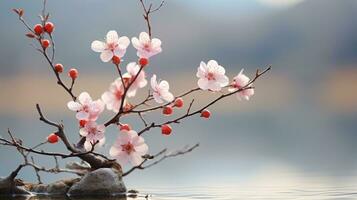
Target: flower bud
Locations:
point(143, 62)
point(52, 138)
point(38, 29)
point(206, 114)
point(167, 110)
point(49, 26)
point(116, 60)
point(45, 43)
point(179, 102)
point(73, 73)
point(59, 68)
point(166, 129)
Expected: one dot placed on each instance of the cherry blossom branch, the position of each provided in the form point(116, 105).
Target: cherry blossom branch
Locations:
point(160, 106)
point(89, 156)
point(44, 17)
point(18, 144)
point(69, 90)
point(148, 11)
point(115, 119)
point(141, 166)
point(189, 114)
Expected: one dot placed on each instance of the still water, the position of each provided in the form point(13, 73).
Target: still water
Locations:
point(229, 193)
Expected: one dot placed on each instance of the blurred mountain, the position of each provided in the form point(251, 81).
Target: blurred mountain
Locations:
point(305, 38)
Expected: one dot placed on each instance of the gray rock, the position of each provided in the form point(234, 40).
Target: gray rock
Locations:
point(57, 188)
point(9, 187)
point(104, 181)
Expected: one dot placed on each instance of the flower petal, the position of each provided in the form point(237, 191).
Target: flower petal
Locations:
point(168, 96)
point(83, 132)
point(223, 80)
point(136, 43)
point(82, 115)
point(164, 85)
point(122, 158)
point(119, 52)
point(135, 159)
point(112, 37)
point(212, 63)
point(153, 82)
point(106, 55)
point(203, 83)
point(156, 43)
point(157, 97)
point(142, 149)
point(114, 151)
point(144, 37)
point(98, 46)
point(84, 98)
point(123, 42)
point(74, 106)
point(214, 86)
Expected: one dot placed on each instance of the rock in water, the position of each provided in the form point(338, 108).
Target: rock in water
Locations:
point(103, 181)
point(57, 188)
point(8, 187)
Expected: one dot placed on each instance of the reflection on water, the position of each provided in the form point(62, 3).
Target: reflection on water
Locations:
point(228, 193)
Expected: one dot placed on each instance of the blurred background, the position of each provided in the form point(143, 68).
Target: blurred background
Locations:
point(299, 128)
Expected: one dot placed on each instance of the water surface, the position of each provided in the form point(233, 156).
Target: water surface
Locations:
point(232, 193)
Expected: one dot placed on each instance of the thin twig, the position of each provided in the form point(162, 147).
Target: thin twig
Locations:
point(147, 12)
point(141, 166)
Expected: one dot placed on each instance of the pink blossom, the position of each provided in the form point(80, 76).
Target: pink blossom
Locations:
point(161, 90)
point(146, 47)
point(129, 147)
point(93, 133)
point(114, 96)
point(86, 108)
point(211, 76)
point(240, 81)
point(114, 45)
point(139, 82)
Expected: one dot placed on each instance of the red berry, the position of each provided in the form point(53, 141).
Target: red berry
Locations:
point(116, 60)
point(205, 114)
point(166, 129)
point(167, 110)
point(52, 138)
point(73, 73)
point(59, 68)
point(49, 27)
point(45, 43)
point(82, 123)
point(38, 29)
point(124, 127)
point(143, 61)
point(179, 102)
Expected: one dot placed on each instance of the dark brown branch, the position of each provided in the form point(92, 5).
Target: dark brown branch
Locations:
point(141, 166)
point(142, 119)
point(147, 12)
point(36, 171)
